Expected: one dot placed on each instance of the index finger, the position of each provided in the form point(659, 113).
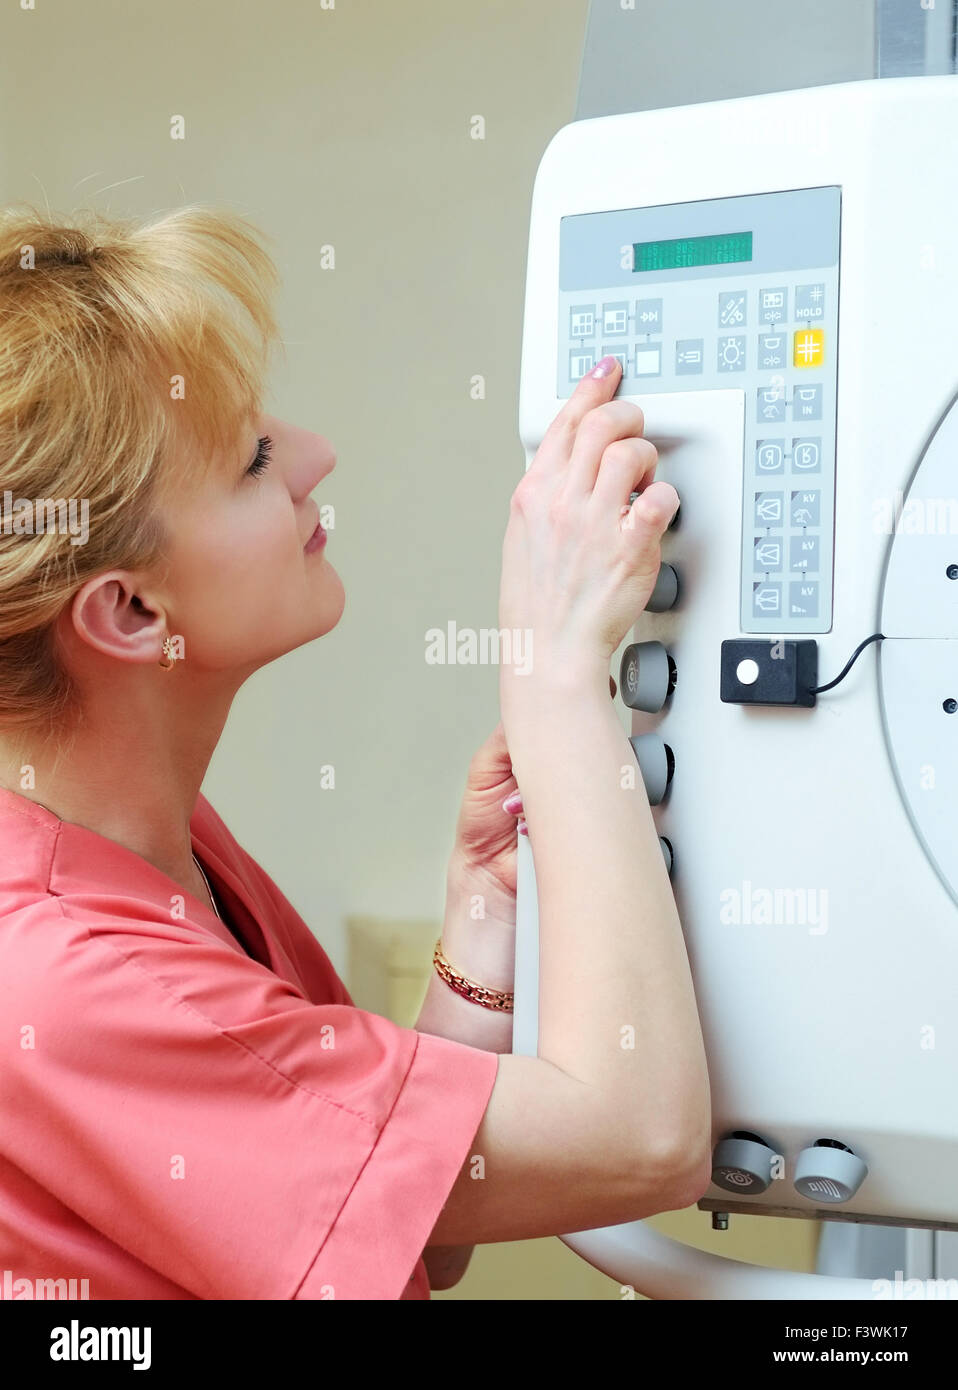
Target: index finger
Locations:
point(555, 450)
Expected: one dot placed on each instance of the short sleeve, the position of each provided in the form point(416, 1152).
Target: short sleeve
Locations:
point(205, 1116)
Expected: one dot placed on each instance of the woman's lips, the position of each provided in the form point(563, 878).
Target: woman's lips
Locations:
point(316, 541)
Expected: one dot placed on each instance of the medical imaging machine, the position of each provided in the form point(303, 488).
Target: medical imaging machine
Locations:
point(778, 275)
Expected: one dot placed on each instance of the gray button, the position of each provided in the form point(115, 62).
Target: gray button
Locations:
point(806, 509)
point(773, 305)
point(803, 553)
point(732, 309)
point(806, 455)
point(769, 456)
point(769, 508)
point(770, 404)
point(615, 319)
point(618, 351)
point(689, 356)
point(731, 354)
point(803, 599)
point(582, 321)
point(581, 361)
point(766, 600)
point(809, 302)
point(648, 359)
point(768, 554)
point(807, 403)
point(772, 348)
point(648, 316)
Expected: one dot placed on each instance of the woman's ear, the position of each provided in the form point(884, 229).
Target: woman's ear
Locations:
point(110, 616)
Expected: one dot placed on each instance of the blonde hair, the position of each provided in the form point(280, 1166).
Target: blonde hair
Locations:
point(131, 354)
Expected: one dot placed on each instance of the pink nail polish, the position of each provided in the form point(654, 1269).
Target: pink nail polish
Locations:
point(512, 803)
point(604, 368)
point(523, 828)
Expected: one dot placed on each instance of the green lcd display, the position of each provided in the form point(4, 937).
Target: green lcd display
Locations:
point(681, 252)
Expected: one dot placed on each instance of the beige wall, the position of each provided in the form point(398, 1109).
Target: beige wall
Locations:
point(349, 127)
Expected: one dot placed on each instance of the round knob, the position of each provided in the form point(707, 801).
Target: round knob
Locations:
point(656, 764)
point(829, 1172)
point(742, 1162)
point(666, 590)
point(646, 676)
point(666, 851)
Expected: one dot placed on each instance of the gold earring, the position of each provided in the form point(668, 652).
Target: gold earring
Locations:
point(168, 651)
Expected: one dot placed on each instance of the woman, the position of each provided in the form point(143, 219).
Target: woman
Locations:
point(192, 1106)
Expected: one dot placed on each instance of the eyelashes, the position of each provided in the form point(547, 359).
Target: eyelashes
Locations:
point(262, 456)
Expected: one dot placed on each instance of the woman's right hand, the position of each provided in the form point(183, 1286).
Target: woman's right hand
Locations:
point(578, 563)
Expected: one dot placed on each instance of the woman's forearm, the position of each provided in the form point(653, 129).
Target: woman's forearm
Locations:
point(616, 1002)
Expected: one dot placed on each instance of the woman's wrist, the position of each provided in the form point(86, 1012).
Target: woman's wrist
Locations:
point(482, 948)
point(479, 926)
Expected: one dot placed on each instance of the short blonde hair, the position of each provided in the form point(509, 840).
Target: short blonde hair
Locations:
point(131, 354)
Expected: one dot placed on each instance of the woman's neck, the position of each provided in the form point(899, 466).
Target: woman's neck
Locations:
point(144, 803)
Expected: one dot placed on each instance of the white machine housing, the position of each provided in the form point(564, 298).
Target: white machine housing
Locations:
point(838, 1018)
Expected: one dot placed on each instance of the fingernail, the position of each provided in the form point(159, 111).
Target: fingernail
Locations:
point(605, 367)
point(523, 828)
point(512, 803)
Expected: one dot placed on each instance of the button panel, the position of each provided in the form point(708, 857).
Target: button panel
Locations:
point(767, 324)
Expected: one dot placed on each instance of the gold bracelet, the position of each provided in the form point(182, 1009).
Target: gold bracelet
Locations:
point(500, 999)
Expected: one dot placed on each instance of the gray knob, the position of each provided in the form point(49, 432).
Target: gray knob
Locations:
point(646, 676)
point(666, 590)
point(656, 764)
point(827, 1173)
point(666, 852)
point(742, 1164)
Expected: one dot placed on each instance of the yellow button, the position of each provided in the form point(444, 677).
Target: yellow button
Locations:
point(809, 350)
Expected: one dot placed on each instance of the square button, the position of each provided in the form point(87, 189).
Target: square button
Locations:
point(769, 456)
point(769, 508)
point(807, 402)
point(732, 309)
point(648, 361)
point(773, 305)
point(808, 348)
point(770, 404)
point(768, 554)
point(806, 509)
point(689, 356)
point(807, 455)
point(619, 352)
point(731, 354)
point(766, 600)
point(648, 316)
point(809, 302)
point(772, 348)
point(803, 599)
point(803, 553)
point(582, 321)
point(615, 319)
point(581, 361)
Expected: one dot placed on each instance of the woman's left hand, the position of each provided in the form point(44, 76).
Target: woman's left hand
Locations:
point(485, 849)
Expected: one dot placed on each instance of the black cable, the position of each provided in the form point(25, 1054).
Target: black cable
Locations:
point(875, 637)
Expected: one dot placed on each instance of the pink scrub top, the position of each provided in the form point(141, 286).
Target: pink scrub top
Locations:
point(178, 1120)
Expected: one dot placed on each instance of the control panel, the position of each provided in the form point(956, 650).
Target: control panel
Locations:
point(722, 293)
